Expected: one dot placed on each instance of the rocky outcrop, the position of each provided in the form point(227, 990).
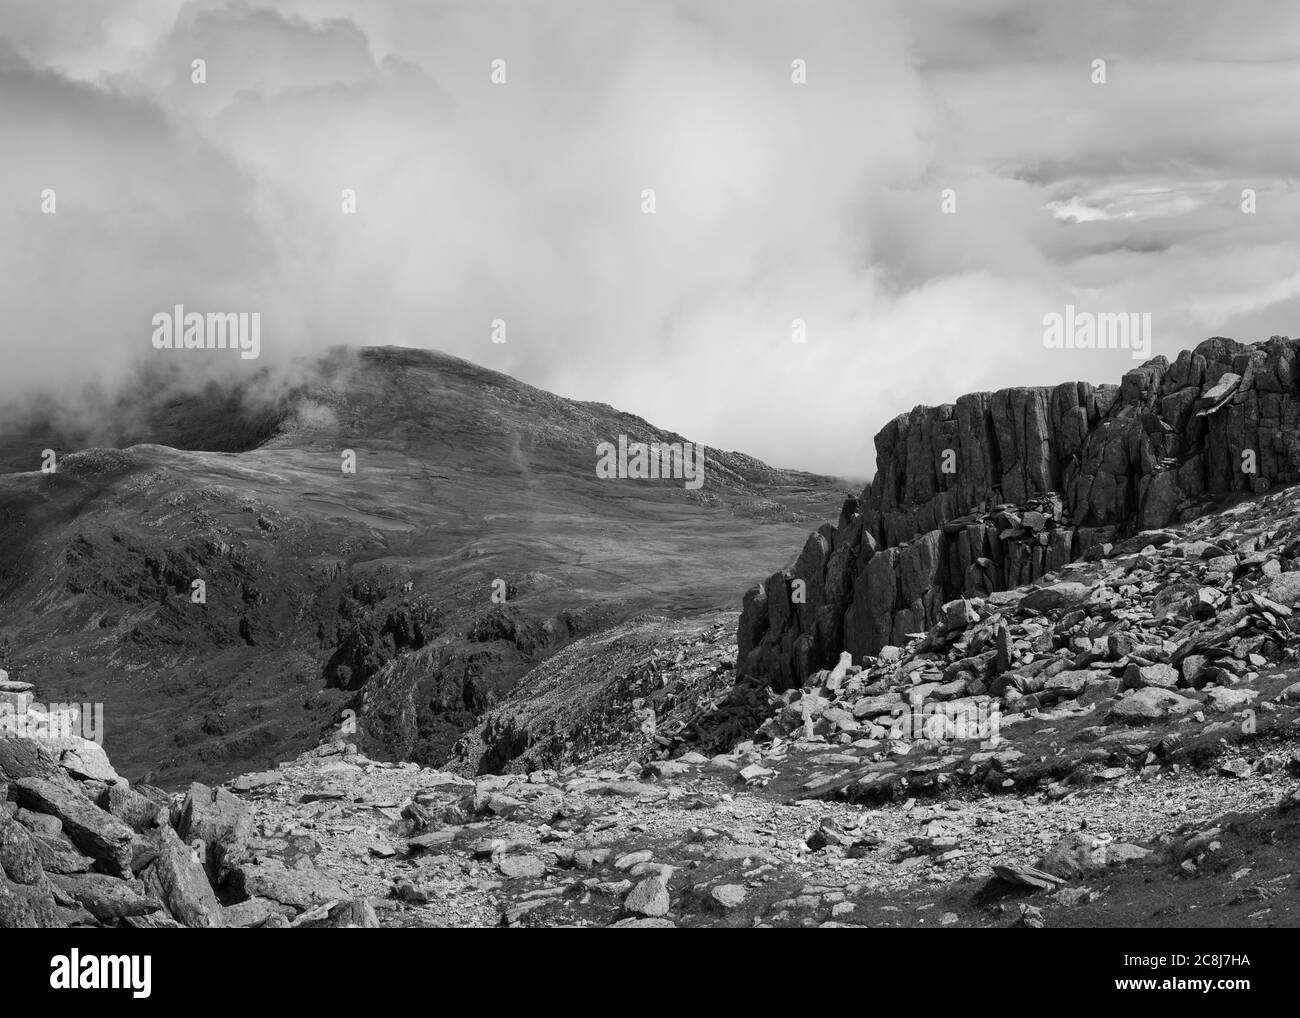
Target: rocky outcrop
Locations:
point(1000, 488)
point(629, 686)
point(78, 851)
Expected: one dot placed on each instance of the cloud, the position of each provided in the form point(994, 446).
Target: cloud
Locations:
point(775, 201)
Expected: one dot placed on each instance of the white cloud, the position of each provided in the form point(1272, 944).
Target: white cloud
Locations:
point(775, 201)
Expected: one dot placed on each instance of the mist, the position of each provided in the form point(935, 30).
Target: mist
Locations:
point(522, 201)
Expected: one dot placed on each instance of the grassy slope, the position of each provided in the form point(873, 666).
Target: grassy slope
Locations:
point(464, 475)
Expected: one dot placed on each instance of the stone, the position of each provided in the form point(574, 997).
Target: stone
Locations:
point(300, 889)
point(1056, 596)
point(137, 811)
point(875, 706)
point(8, 685)
point(26, 897)
point(106, 898)
point(589, 858)
point(728, 896)
point(25, 758)
point(250, 913)
point(222, 821)
point(255, 781)
point(1081, 853)
point(430, 840)
point(1285, 590)
point(94, 832)
point(1227, 698)
point(1075, 855)
point(81, 758)
point(644, 924)
point(1069, 685)
point(631, 859)
point(176, 879)
point(39, 823)
point(754, 774)
point(1142, 676)
point(1150, 704)
point(1121, 854)
point(649, 898)
point(521, 867)
point(19, 861)
point(959, 614)
point(355, 914)
point(1291, 694)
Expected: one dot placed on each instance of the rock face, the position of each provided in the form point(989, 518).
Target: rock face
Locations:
point(1000, 488)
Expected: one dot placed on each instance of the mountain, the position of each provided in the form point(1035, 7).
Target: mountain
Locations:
point(1112, 747)
point(326, 591)
point(1000, 488)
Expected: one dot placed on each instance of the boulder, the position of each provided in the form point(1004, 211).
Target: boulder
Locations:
point(1152, 703)
point(94, 832)
point(1142, 676)
point(1056, 596)
point(299, 889)
point(26, 897)
point(180, 882)
point(222, 821)
point(106, 898)
point(649, 898)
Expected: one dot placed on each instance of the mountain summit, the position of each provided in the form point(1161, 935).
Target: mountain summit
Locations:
point(396, 532)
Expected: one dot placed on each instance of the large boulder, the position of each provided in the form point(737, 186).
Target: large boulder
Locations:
point(177, 879)
point(299, 889)
point(219, 819)
point(26, 899)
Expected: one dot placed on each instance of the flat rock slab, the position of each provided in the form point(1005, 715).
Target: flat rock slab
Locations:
point(300, 889)
point(518, 867)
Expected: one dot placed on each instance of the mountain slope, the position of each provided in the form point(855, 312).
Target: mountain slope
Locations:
point(326, 590)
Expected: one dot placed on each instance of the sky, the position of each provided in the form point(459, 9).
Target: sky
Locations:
point(775, 200)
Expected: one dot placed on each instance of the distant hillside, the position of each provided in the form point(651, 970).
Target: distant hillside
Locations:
point(328, 591)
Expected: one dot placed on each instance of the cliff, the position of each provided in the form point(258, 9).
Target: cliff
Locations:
point(1000, 488)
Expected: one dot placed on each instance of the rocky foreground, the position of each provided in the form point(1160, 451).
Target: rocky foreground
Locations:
point(1115, 745)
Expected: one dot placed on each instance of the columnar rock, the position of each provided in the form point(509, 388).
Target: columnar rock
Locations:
point(1000, 488)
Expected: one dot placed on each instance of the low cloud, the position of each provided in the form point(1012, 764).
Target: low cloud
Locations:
point(775, 201)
